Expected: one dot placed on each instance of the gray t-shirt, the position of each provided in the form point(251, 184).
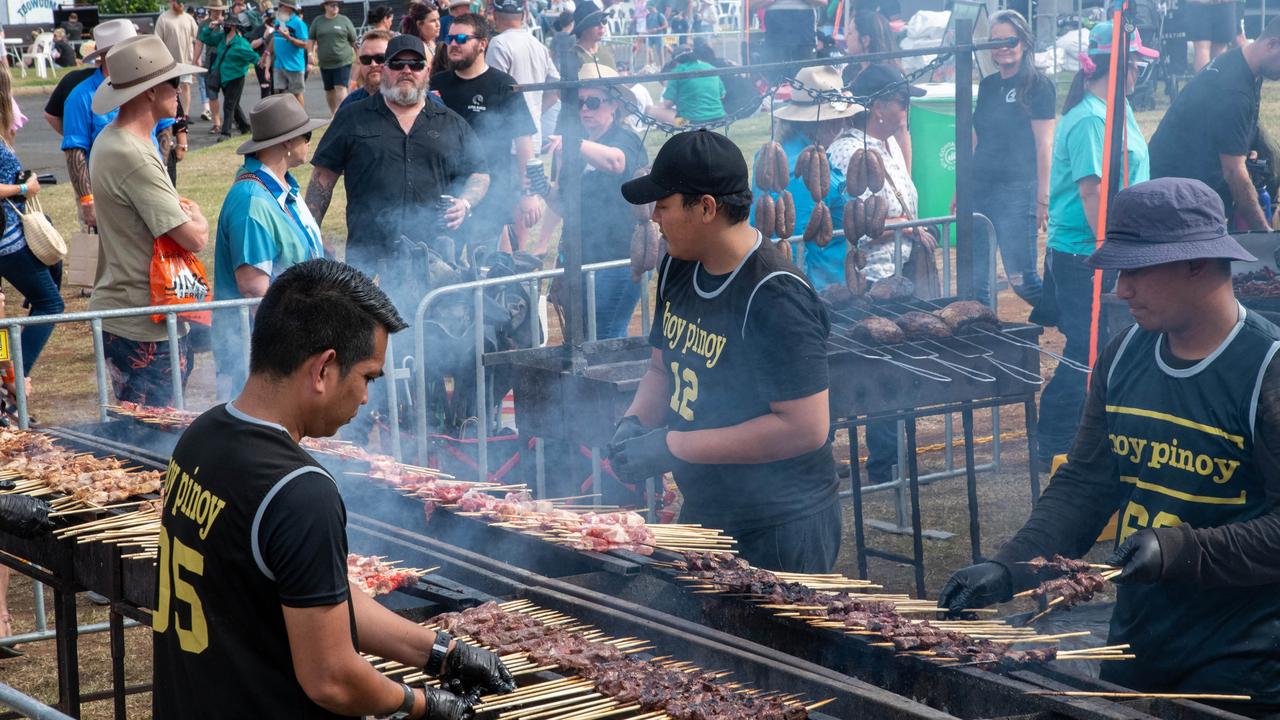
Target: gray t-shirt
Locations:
point(519, 54)
point(135, 204)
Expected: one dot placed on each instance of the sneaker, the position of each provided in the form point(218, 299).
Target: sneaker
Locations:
point(206, 116)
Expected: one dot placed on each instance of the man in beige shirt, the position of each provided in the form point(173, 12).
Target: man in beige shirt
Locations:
point(178, 29)
point(136, 204)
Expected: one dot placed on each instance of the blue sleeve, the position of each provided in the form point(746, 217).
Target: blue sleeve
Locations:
point(77, 122)
point(252, 243)
point(301, 33)
point(1084, 147)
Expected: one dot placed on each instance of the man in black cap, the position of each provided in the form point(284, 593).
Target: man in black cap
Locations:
point(588, 26)
point(1181, 434)
point(734, 402)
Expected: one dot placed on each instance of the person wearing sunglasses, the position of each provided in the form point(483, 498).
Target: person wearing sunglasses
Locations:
point(482, 96)
point(371, 60)
point(231, 63)
point(263, 227)
point(613, 155)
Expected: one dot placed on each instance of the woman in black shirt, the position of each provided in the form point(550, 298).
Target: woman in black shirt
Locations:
point(1013, 136)
point(612, 155)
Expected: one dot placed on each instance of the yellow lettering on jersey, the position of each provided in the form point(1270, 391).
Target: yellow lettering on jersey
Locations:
point(691, 338)
point(1163, 454)
point(1136, 516)
point(191, 500)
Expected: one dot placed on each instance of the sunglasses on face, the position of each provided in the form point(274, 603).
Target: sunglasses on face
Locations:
point(380, 59)
point(458, 39)
point(414, 65)
point(590, 103)
point(306, 137)
point(174, 82)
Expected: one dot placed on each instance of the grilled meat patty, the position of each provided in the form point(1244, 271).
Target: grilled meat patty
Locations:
point(963, 314)
point(877, 331)
point(923, 326)
point(892, 289)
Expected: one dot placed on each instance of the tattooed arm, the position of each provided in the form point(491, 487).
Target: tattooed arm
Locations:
point(78, 171)
point(472, 193)
point(320, 194)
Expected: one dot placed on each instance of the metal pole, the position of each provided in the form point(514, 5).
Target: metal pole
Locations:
point(964, 161)
point(42, 619)
point(175, 359)
point(592, 330)
point(645, 320)
point(571, 191)
point(19, 375)
point(482, 393)
point(100, 367)
point(393, 397)
point(27, 705)
point(246, 334)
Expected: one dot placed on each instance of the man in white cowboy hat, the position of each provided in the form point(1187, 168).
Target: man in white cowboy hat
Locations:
point(807, 120)
point(80, 124)
point(136, 204)
point(289, 50)
point(178, 30)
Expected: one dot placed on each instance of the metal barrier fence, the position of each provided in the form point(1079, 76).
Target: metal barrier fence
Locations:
point(655, 50)
point(27, 706)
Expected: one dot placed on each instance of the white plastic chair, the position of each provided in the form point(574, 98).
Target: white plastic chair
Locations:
point(619, 19)
point(39, 54)
point(730, 14)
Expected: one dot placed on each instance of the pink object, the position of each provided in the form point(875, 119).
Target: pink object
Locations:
point(1087, 65)
point(18, 118)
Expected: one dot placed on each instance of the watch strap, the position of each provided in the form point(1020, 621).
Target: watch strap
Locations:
point(435, 662)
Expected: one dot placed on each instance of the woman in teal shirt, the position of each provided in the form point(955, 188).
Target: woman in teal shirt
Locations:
point(264, 227)
point(1074, 193)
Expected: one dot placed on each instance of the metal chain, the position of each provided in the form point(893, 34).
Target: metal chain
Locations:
point(829, 96)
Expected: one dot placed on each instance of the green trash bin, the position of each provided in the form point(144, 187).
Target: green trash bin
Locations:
point(933, 147)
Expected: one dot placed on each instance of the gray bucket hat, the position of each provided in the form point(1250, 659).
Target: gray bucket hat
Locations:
point(1163, 221)
point(277, 118)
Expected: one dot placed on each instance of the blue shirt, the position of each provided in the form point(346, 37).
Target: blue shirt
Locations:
point(13, 239)
point(290, 57)
point(80, 124)
point(823, 266)
point(1077, 154)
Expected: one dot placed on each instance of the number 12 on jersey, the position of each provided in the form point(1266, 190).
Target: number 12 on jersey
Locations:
point(686, 391)
point(174, 557)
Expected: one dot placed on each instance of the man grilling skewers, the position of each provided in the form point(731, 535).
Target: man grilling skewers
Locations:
point(1181, 434)
point(255, 616)
point(734, 401)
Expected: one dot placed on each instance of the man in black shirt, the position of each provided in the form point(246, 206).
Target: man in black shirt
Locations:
point(734, 402)
point(53, 109)
point(482, 96)
point(1209, 130)
point(398, 154)
point(1181, 435)
point(254, 615)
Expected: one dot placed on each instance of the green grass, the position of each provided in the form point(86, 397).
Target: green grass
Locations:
point(34, 81)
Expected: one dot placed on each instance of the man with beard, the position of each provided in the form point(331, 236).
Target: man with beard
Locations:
point(372, 57)
point(482, 96)
point(411, 169)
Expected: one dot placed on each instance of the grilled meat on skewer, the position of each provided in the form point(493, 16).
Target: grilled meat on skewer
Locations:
point(964, 314)
point(923, 326)
point(894, 288)
point(877, 331)
point(1060, 564)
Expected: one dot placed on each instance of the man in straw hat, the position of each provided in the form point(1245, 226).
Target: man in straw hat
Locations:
point(136, 204)
point(80, 123)
point(255, 615)
point(1181, 435)
point(734, 401)
point(264, 228)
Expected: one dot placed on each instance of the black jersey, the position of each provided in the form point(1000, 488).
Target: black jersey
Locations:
point(734, 344)
point(250, 523)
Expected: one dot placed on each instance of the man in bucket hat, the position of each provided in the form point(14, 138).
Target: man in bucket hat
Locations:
point(1181, 436)
point(136, 204)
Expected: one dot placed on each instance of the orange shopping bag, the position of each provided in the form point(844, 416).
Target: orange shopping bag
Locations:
point(178, 278)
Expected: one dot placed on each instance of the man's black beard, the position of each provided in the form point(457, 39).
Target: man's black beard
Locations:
point(466, 65)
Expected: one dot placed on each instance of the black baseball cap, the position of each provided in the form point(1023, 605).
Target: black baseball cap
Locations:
point(509, 7)
point(406, 43)
point(691, 163)
point(1163, 221)
point(875, 78)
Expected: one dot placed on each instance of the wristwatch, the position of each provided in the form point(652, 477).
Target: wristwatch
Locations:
point(435, 661)
point(406, 707)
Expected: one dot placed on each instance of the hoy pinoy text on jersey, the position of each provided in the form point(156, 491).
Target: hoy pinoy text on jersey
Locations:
point(734, 344)
point(1182, 440)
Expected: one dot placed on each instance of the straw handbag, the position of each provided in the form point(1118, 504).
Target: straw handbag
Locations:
point(45, 241)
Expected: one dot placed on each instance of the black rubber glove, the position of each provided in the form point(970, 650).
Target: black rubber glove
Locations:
point(976, 586)
point(627, 428)
point(468, 668)
point(1141, 558)
point(642, 457)
point(24, 516)
point(444, 705)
